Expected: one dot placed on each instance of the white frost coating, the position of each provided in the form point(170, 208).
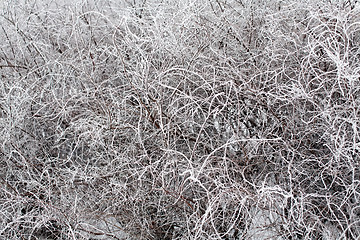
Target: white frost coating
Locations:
point(179, 119)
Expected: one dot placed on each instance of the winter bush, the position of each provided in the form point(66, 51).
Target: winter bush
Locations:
point(216, 119)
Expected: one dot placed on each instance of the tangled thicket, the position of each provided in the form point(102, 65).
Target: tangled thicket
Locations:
point(206, 119)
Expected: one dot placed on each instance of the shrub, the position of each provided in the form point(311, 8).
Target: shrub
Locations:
point(180, 120)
